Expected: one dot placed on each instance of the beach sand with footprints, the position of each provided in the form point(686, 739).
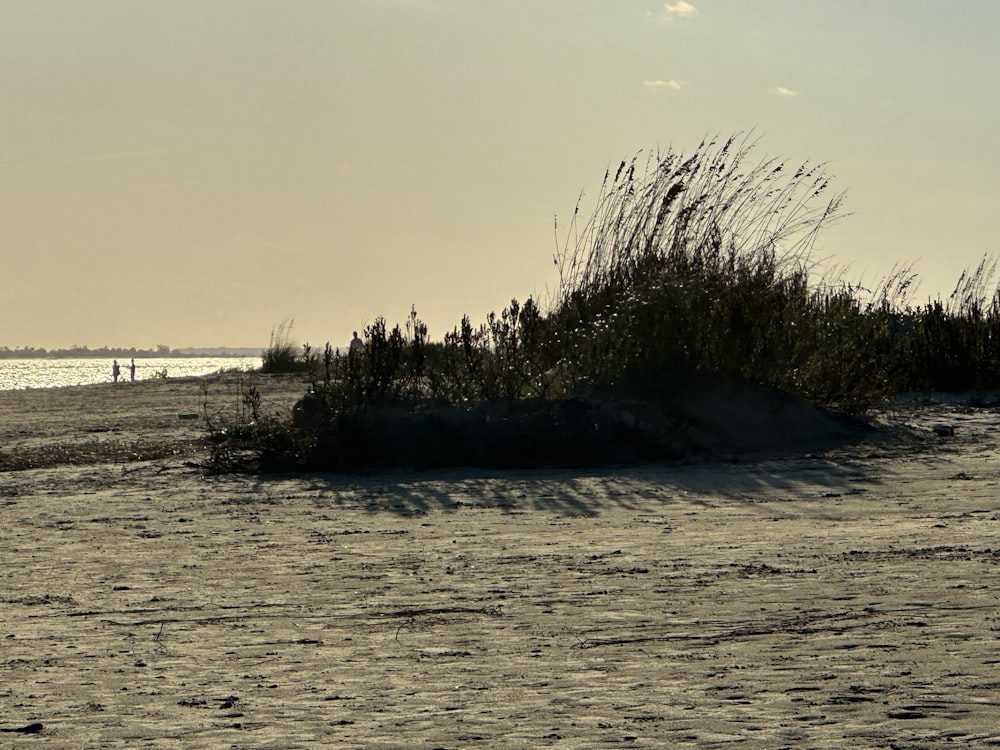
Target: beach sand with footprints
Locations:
point(840, 599)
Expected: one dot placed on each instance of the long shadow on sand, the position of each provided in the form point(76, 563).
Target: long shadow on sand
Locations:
point(588, 492)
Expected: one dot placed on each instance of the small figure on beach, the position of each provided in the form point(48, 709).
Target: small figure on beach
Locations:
point(131, 371)
point(356, 343)
point(116, 371)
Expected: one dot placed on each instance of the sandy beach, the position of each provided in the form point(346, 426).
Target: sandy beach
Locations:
point(844, 599)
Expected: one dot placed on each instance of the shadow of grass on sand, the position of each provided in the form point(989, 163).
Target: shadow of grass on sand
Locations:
point(724, 423)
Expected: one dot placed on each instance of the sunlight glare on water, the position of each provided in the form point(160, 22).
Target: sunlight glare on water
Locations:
point(53, 373)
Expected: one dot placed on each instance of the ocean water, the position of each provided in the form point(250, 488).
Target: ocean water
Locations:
point(55, 373)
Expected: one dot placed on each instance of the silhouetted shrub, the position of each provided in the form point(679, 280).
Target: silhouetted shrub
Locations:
point(690, 272)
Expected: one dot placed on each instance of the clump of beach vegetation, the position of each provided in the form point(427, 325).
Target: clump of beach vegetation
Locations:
point(282, 353)
point(690, 273)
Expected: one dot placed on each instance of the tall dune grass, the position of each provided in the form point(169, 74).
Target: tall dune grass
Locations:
point(282, 354)
point(688, 270)
point(699, 266)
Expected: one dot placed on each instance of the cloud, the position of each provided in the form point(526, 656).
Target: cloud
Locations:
point(660, 84)
point(680, 9)
point(782, 91)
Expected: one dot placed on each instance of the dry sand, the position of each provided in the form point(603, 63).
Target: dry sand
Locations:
point(843, 600)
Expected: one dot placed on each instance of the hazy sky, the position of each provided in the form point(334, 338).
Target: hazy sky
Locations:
point(195, 172)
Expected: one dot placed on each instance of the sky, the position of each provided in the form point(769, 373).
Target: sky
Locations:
point(200, 172)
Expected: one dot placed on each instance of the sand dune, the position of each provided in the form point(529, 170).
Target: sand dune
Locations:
point(847, 599)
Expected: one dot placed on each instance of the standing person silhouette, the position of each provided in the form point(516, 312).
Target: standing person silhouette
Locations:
point(115, 370)
point(131, 370)
point(356, 343)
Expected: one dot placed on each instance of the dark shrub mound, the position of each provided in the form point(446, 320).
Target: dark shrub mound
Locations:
point(502, 434)
point(723, 422)
point(737, 420)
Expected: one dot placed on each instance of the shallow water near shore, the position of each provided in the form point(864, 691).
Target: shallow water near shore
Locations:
point(57, 373)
